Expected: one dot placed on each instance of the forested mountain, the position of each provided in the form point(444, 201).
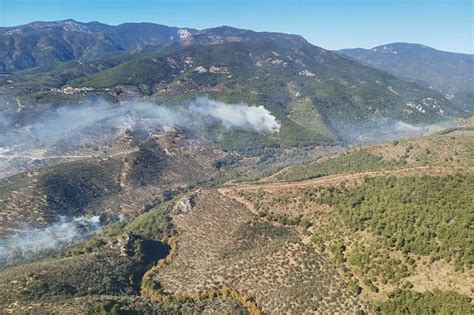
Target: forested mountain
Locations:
point(319, 96)
point(147, 169)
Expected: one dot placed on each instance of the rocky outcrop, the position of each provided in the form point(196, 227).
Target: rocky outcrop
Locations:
point(185, 204)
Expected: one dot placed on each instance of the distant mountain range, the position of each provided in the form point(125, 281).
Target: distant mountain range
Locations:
point(447, 72)
point(319, 96)
point(125, 190)
point(41, 43)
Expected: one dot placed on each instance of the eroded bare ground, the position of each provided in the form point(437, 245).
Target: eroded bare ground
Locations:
point(223, 244)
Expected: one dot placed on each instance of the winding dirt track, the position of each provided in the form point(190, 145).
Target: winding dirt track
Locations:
point(231, 190)
point(334, 179)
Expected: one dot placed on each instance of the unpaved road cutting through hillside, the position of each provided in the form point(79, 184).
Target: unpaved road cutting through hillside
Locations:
point(334, 179)
point(231, 190)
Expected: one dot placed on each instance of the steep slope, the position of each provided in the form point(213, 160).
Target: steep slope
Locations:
point(318, 96)
point(122, 180)
point(396, 232)
point(449, 73)
point(390, 239)
point(267, 262)
point(40, 44)
point(102, 275)
point(291, 77)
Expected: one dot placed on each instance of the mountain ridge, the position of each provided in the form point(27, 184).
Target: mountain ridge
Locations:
point(447, 72)
point(401, 43)
point(40, 43)
point(291, 77)
point(148, 169)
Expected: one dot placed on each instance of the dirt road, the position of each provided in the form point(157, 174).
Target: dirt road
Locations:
point(334, 179)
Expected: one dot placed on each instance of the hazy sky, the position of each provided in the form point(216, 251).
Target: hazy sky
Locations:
point(332, 24)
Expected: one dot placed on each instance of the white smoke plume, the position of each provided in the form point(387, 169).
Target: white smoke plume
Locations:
point(237, 115)
point(62, 132)
point(31, 242)
point(51, 125)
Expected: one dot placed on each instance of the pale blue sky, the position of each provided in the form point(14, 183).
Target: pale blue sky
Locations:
point(332, 24)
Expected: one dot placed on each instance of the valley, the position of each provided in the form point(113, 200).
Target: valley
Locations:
point(147, 169)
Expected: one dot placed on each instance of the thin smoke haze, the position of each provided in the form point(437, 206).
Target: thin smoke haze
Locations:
point(33, 241)
point(59, 132)
point(54, 124)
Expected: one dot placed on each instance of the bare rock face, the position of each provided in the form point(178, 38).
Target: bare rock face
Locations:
point(124, 245)
point(185, 204)
point(182, 206)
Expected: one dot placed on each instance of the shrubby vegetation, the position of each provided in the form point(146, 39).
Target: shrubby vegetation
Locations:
point(112, 262)
point(140, 71)
point(245, 142)
point(427, 215)
point(356, 161)
point(286, 220)
point(155, 224)
point(437, 302)
point(293, 134)
point(225, 161)
point(70, 187)
point(377, 231)
point(376, 264)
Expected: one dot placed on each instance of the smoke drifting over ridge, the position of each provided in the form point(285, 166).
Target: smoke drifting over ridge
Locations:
point(31, 242)
point(394, 131)
point(62, 132)
point(383, 130)
point(59, 132)
point(51, 125)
